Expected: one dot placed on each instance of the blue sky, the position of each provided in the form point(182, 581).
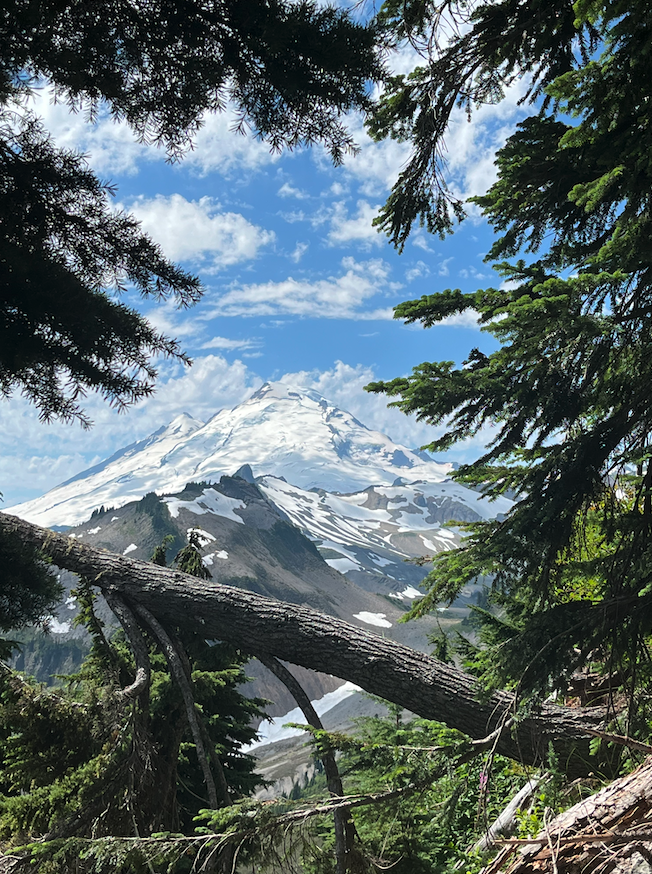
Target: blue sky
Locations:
point(299, 286)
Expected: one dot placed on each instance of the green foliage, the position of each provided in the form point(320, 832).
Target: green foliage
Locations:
point(159, 556)
point(290, 68)
point(189, 560)
point(28, 589)
point(567, 391)
point(153, 506)
point(442, 798)
point(469, 64)
point(86, 762)
point(63, 251)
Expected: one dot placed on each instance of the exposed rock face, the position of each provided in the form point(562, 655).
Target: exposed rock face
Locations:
point(247, 542)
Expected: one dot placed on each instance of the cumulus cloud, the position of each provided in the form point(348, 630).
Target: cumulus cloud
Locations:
point(421, 241)
point(444, 269)
point(354, 229)
point(112, 147)
point(199, 232)
point(222, 146)
point(287, 190)
point(26, 475)
point(336, 297)
point(419, 271)
point(375, 166)
point(471, 147)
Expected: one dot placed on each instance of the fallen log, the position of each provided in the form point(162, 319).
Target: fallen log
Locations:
point(265, 627)
point(610, 833)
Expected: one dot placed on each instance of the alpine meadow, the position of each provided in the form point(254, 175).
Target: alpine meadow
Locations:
point(522, 743)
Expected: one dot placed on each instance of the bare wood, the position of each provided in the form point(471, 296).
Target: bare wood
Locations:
point(138, 646)
point(505, 820)
point(602, 829)
point(265, 627)
point(621, 740)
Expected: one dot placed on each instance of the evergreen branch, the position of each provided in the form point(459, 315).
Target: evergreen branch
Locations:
point(21, 687)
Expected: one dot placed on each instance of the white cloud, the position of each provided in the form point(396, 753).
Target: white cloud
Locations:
point(419, 271)
point(111, 147)
point(197, 231)
point(419, 239)
point(30, 474)
point(471, 273)
point(466, 319)
point(376, 165)
point(231, 345)
point(299, 251)
point(337, 297)
point(443, 269)
point(287, 190)
point(358, 229)
point(114, 148)
point(220, 147)
point(344, 385)
point(471, 148)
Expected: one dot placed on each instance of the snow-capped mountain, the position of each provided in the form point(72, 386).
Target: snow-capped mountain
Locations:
point(287, 432)
point(369, 534)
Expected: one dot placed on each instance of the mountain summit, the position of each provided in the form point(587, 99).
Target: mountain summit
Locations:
point(282, 430)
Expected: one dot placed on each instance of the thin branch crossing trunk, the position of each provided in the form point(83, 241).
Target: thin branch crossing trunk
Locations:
point(183, 682)
point(344, 829)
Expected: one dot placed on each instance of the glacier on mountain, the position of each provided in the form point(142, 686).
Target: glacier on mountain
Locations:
point(280, 430)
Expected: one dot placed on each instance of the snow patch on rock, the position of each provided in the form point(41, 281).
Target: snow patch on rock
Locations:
point(277, 729)
point(377, 619)
point(210, 501)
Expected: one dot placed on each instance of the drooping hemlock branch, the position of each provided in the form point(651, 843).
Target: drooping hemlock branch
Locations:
point(265, 627)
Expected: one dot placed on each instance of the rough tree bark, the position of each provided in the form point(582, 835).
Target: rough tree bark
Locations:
point(263, 627)
point(608, 833)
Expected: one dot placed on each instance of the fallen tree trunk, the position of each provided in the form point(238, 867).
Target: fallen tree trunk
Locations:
point(265, 627)
point(610, 833)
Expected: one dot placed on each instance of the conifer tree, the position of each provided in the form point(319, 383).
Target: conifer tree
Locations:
point(107, 758)
point(290, 69)
point(567, 392)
